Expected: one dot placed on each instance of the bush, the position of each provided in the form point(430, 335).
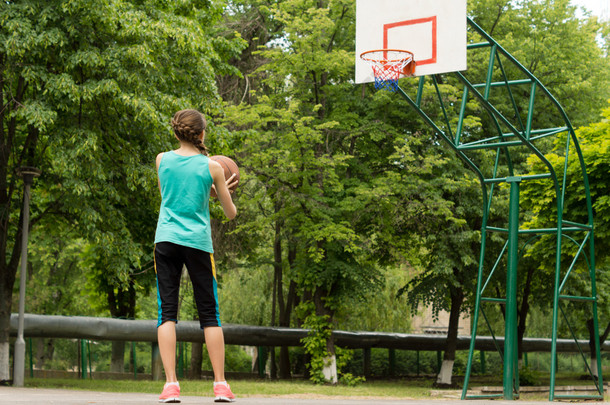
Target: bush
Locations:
point(236, 360)
point(528, 377)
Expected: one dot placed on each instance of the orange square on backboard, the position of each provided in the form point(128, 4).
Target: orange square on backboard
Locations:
point(433, 30)
point(429, 26)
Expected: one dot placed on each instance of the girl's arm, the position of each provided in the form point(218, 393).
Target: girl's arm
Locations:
point(222, 191)
point(159, 157)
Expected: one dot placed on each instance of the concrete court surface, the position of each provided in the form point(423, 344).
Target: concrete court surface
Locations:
point(46, 396)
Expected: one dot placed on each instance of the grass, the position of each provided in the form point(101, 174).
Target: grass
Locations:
point(249, 388)
point(413, 388)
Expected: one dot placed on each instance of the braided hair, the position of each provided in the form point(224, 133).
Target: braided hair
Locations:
point(188, 125)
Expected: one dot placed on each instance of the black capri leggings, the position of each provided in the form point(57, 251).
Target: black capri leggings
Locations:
point(169, 261)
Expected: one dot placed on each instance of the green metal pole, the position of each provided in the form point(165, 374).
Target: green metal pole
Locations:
point(135, 360)
point(554, 331)
point(180, 360)
point(490, 68)
point(510, 335)
point(477, 308)
point(261, 360)
point(417, 363)
point(83, 359)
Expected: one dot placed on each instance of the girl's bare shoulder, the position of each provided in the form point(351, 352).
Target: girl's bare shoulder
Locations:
point(158, 160)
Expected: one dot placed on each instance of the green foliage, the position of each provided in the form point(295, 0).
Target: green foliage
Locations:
point(342, 188)
point(448, 250)
point(65, 355)
point(315, 344)
point(595, 149)
point(350, 380)
point(528, 377)
point(53, 259)
point(240, 297)
point(236, 360)
point(89, 88)
point(311, 160)
point(344, 356)
point(391, 312)
point(544, 36)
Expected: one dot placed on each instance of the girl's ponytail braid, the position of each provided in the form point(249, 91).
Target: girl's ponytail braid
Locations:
point(188, 125)
point(199, 145)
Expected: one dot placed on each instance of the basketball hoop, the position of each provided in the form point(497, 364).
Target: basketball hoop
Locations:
point(389, 65)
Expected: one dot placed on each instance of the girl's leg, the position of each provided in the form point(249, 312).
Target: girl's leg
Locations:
point(202, 271)
point(166, 334)
point(168, 266)
point(215, 342)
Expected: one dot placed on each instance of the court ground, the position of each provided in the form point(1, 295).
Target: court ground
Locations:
point(46, 396)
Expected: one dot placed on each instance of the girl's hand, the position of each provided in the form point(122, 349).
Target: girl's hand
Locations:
point(231, 183)
point(222, 189)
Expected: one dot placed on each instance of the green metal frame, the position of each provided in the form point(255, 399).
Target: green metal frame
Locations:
point(509, 94)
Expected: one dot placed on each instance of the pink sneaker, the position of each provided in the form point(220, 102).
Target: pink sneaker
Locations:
point(223, 393)
point(170, 394)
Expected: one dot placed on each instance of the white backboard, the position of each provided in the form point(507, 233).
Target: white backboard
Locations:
point(434, 30)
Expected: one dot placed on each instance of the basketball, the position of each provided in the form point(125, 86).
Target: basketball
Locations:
point(229, 167)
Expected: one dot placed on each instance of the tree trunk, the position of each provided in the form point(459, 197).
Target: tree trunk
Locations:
point(284, 363)
point(592, 354)
point(44, 351)
point(523, 311)
point(9, 262)
point(284, 305)
point(117, 362)
point(285, 312)
point(7, 280)
point(602, 339)
point(5, 374)
point(330, 362)
point(8, 272)
point(196, 360)
point(446, 371)
point(122, 305)
point(272, 363)
point(277, 298)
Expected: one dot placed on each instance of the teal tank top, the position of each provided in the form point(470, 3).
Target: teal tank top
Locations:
point(184, 216)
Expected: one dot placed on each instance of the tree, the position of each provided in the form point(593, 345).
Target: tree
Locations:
point(594, 143)
point(542, 35)
point(447, 245)
point(356, 314)
point(513, 25)
point(55, 256)
point(87, 90)
point(318, 153)
point(321, 155)
point(546, 36)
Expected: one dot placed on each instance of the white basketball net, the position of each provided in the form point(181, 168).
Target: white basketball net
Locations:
point(388, 66)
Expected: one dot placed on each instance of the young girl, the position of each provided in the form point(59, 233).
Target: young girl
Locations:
point(183, 237)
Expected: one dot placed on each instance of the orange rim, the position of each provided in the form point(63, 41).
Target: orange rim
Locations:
point(366, 56)
point(398, 57)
